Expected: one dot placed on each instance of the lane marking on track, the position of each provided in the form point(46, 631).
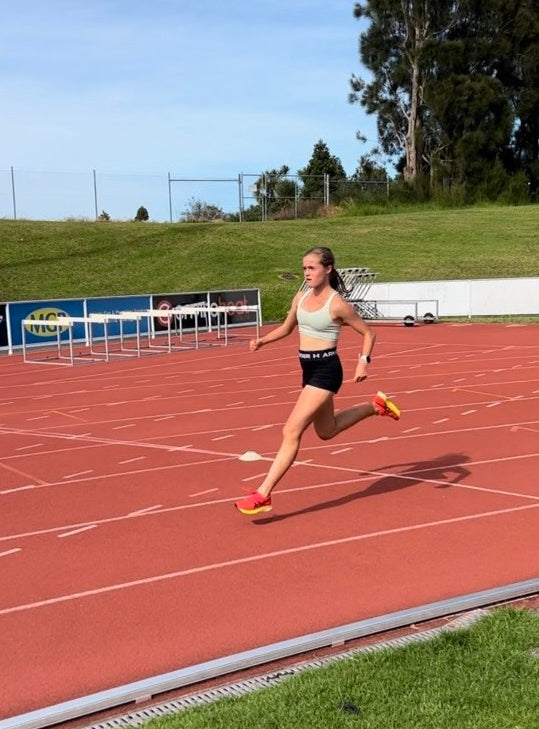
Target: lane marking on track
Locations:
point(411, 430)
point(481, 392)
point(290, 402)
point(66, 415)
point(10, 551)
point(24, 448)
point(139, 512)
point(77, 531)
point(370, 476)
point(80, 473)
point(121, 427)
point(263, 427)
point(442, 420)
point(223, 437)
point(341, 450)
point(164, 417)
point(132, 460)
point(259, 557)
point(201, 493)
point(517, 427)
point(252, 478)
point(34, 479)
point(468, 412)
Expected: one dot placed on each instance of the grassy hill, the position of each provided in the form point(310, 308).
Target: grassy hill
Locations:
point(75, 259)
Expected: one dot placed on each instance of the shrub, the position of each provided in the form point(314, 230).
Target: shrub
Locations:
point(142, 214)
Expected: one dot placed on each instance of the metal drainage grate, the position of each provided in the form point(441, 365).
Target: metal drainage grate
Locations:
point(257, 683)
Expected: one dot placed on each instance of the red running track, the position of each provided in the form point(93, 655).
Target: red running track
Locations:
point(122, 556)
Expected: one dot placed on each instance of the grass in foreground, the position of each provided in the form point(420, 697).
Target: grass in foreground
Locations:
point(485, 677)
point(42, 260)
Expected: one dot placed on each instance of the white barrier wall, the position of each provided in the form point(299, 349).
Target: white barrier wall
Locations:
point(475, 297)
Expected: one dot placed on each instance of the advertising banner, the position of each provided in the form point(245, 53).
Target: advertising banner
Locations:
point(42, 312)
point(171, 301)
point(239, 299)
point(116, 305)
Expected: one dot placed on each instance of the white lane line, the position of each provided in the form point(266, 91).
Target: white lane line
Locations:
point(121, 427)
point(252, 478)
point(231, 404)
point(481, 374)
point(221, 384)
point(258, 557)
point(377, 440)
point(263, 427)
point(35, 445)
point(6, 403)
point(77, 531)
point(222, 437)
point(80, 410)
point(461, 379)
point(201, 493)
point(146, 510)
point(119, 402)
point(442, 420)
point(132, 460)
point(40, 417)
point(493, 404)
point(80, 473)
point(152, 397)
point(370, 475)
point(10, 551)
point(341, 450)
point(165, 417)
point(266, 397)
point(41, 397)
point(411, 430)
point(468, 412)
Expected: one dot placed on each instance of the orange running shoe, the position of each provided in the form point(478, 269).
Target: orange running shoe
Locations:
point(383, 406)
point(254, 504)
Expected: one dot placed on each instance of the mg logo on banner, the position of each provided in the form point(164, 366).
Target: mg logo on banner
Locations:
point(41, 316)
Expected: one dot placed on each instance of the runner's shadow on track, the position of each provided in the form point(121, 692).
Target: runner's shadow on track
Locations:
point(446, 470)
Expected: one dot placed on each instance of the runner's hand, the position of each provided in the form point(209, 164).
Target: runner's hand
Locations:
point(361, 371)
point(255, 344)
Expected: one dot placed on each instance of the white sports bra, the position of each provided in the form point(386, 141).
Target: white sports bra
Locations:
point(319, 323)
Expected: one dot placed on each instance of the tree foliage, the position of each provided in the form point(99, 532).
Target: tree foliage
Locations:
point(454, 86)
point(322, 163)
point(142, 214)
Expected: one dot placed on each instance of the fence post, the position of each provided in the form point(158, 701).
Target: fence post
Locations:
point(13, 194)
point(95, 194)
point(326, 189)
point(240, 194)
point(169, 198)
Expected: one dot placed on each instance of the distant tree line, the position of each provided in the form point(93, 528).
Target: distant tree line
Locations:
point(454, 87)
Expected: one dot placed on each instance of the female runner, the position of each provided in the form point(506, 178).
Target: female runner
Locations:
point(319, 313)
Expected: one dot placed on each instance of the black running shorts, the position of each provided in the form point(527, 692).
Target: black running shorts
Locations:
point(321, 369)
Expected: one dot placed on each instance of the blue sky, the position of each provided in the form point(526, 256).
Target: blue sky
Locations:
point(197, 88)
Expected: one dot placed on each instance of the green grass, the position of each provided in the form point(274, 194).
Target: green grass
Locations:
point(485, 677)
point(40, 260)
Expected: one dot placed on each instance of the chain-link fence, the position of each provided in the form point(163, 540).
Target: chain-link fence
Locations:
point(93, 195)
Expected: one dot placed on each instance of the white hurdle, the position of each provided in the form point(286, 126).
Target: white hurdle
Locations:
point(175, 316)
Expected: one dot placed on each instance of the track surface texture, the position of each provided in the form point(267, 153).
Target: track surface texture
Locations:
point(122, 556)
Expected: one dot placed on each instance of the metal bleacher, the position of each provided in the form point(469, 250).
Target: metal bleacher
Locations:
point(358, 281)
